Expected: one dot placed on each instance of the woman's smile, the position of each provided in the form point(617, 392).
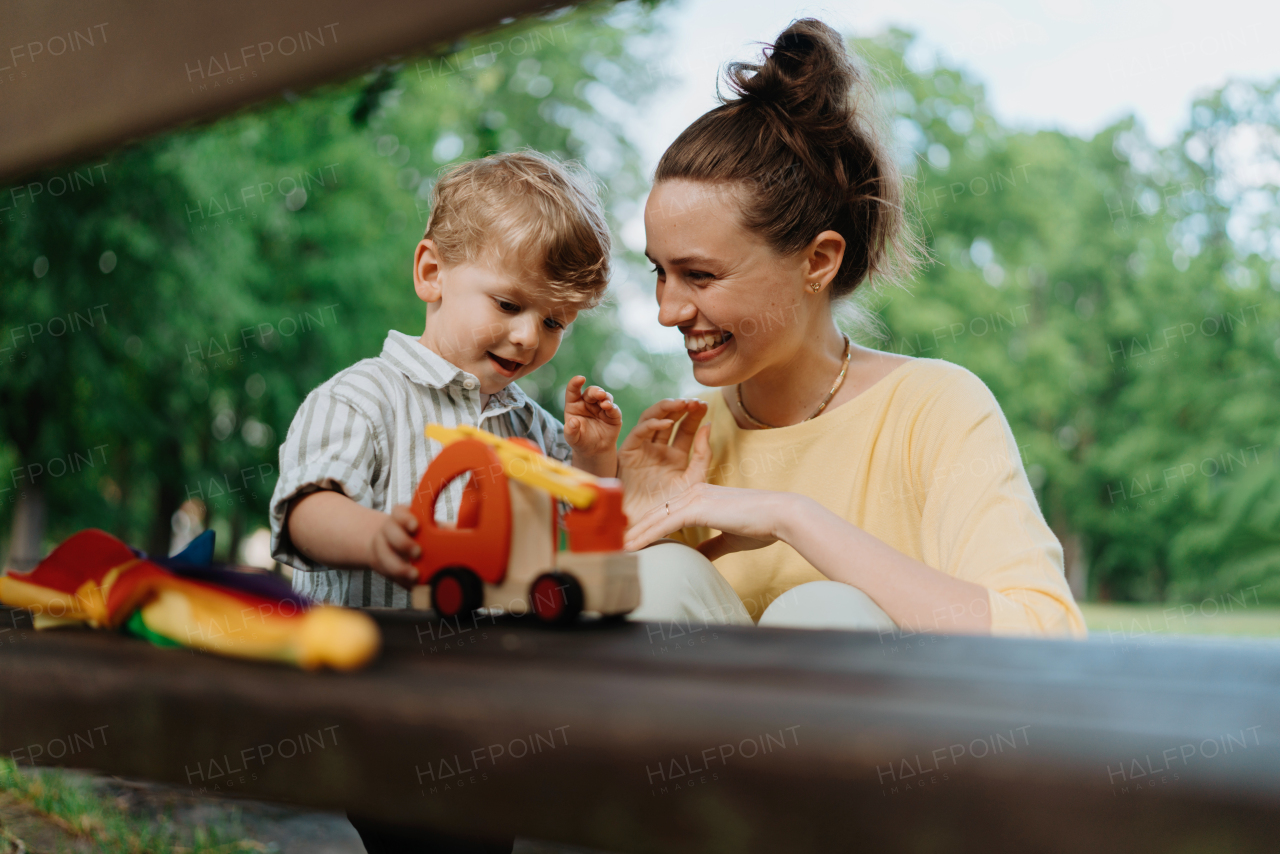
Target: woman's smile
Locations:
point(705, 345)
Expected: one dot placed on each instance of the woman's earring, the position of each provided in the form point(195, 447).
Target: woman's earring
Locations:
point(815, 286)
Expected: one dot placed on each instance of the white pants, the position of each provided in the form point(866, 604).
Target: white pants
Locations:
point(677, 583)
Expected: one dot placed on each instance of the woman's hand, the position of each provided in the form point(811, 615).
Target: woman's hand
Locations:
point(653, 471)
point(747, 518)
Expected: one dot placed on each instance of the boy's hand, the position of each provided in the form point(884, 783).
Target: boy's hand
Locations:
point(592, 422)
point(393, 547)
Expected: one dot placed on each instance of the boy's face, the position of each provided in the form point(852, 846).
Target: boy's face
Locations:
point(487, 318)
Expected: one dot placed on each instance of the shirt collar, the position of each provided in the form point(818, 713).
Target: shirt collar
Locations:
point(420, 363)
point(511, 397)
point(427, 367)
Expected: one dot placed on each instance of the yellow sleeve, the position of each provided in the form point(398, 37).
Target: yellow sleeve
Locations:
point(981, 521)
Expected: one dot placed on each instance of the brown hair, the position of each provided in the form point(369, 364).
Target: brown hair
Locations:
point(529, 205)
point(801, 143)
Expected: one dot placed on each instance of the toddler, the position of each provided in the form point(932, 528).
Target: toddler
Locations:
point(515, 247)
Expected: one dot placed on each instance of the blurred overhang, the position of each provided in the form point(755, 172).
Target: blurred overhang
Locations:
point(81, 76)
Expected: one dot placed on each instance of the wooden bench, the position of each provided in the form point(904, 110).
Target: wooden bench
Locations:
point(691, 738)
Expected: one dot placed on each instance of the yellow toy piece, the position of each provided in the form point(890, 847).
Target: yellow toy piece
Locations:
point(525, 465)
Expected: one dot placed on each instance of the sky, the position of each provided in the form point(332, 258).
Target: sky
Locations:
point(1072, 65)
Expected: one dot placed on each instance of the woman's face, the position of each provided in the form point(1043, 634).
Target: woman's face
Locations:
point(742, 306)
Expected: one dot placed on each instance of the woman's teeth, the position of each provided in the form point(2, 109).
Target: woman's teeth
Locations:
point(700, 341)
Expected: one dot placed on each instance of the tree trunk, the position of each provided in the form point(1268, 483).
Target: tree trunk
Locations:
point(160, 536)
point(1075, 562)
point(26, 534)
point(237, 534)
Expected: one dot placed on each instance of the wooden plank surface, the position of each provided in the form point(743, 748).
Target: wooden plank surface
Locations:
point(80, 76)
point(673, 738)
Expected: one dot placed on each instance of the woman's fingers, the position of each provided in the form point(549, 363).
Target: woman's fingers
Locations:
point(700, 460)
point(653, 413)
point(646, 430)
point(689, 426)
point(639, 532)
point(658, 522)
point(636, 542)
point(682, 409)
point(644, 532)
point(662, 436)
point(670, 407)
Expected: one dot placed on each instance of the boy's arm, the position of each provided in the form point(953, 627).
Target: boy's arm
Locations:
point(600, 465)
point(321, 512)
point(331, 529)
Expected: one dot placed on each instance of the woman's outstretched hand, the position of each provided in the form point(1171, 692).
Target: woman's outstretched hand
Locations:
point(747, 518)
point(654, 471)
point(666, 489)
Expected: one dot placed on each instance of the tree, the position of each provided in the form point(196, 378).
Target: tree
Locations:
point(234, 267)
point(1099, 287)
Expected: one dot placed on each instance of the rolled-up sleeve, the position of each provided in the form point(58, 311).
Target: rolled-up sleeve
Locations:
point(330, 445)
point(981, 520)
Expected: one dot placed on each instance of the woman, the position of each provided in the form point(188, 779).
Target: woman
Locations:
point(832, 485)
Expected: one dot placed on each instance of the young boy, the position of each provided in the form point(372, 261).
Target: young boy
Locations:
point(515, 247)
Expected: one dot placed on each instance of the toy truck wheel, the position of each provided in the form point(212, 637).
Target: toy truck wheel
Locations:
point(456, 591)
point(556, 597)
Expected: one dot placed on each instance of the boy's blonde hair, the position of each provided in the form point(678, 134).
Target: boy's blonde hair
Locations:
point(524, 205)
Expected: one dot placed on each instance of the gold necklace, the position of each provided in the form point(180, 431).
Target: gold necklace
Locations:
point(839, 382)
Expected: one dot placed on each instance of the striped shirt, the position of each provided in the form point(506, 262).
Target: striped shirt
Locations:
point(361, 433)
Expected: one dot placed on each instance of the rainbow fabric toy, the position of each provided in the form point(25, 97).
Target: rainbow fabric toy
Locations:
point(188, 601)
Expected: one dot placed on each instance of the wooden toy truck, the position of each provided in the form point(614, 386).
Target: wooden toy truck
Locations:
point(503, 552)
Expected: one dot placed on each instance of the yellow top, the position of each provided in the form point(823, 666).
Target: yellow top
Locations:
point(924, 460)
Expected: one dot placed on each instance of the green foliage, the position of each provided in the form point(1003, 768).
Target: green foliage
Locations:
point(258, 256)
point(1124, 312)
point(78, 809)
point(1119, 298)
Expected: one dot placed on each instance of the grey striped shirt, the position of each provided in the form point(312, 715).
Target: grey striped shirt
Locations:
point(361, 433)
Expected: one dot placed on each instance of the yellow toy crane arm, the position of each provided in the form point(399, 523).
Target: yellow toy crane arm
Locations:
point(527, 466)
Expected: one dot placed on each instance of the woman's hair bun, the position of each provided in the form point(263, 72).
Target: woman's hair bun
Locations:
point(800, 135)
point(806, 72)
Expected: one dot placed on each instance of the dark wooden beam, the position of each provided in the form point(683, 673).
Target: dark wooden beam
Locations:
point(80, 76)
point(667, 738)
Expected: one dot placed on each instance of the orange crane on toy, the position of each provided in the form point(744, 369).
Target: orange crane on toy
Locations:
point(503, 551)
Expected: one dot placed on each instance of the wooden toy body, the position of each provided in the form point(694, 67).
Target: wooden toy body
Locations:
point(481, 538)
point(611, 580)
point(501, 554)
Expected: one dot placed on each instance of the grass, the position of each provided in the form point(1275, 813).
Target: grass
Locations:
point(77, 809)
point(1208, 618)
